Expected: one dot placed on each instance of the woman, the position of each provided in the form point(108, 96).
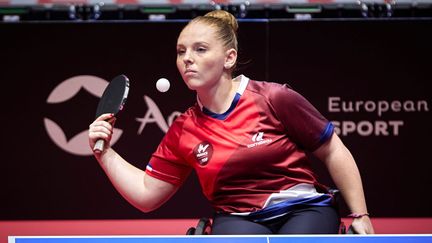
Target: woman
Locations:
point(246, 140)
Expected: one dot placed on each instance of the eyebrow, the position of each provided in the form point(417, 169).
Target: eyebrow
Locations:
point(194, 44)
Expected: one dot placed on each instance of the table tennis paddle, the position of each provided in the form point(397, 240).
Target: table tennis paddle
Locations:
point(112, 101)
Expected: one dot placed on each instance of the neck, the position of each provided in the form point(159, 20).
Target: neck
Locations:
point(218, 98)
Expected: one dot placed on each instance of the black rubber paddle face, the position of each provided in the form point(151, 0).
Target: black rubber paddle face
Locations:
point(114, 96)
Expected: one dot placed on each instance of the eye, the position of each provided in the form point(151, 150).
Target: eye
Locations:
point(201, 49)
point(180, 52)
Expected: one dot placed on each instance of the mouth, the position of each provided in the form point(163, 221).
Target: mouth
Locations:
point(189, 71)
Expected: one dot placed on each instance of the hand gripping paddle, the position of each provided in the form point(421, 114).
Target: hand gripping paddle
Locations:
point(112, 101)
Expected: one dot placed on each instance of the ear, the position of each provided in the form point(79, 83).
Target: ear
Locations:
point(230, 58)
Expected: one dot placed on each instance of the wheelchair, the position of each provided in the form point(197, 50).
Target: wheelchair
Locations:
point(204, 224)
point(204, 228)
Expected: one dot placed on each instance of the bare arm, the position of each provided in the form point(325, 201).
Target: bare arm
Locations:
point(344, 172)
point(141, 190)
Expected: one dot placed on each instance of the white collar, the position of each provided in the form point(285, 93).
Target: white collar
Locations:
point(241, 88)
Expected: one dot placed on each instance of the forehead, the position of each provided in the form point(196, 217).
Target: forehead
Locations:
point(197, 32)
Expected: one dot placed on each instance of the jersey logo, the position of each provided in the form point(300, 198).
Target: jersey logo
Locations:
point(258, 139)
point(202, 148)
point(203, 152)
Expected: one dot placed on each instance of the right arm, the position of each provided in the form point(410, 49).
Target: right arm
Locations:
point(139, 189)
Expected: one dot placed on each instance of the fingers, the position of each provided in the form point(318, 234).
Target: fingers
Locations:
point(359, 230)
point(105, 117)
point(362, 226)
point(101, 128)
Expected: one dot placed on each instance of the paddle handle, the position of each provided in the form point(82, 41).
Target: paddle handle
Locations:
point(99, 146)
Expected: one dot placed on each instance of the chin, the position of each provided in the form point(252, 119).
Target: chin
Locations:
point(193, 84)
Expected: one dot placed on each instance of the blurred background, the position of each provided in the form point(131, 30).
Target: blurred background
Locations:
point(366, 65)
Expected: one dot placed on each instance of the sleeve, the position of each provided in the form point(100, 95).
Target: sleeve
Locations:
point(304, 124)
point(166, 162)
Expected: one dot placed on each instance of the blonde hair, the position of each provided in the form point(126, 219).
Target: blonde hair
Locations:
point(226, 26)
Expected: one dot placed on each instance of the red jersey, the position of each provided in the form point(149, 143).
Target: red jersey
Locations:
point(243, 156)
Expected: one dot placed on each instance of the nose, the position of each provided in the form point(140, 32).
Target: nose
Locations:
point(187, 57)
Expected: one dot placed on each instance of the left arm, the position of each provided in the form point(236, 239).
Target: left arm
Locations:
point(344, 172)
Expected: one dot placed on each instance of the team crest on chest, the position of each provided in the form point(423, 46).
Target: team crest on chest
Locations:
point(203, 152)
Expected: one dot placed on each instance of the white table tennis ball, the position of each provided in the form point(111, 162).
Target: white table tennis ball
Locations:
point(163, 85)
